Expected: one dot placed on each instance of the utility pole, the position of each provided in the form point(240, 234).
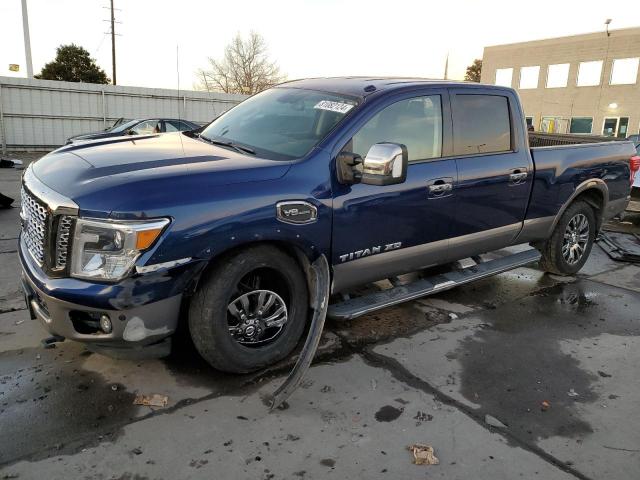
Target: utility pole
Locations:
point(27, 40)
point(446, 67)
point(113, 43)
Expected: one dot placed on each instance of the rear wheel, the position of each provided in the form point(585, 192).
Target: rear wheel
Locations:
point(570, 244)
point(250, 311)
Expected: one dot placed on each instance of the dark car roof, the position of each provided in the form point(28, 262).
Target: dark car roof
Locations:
point(363, 86)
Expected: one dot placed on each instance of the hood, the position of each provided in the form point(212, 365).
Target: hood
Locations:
point(108, 174)
point(91, 136)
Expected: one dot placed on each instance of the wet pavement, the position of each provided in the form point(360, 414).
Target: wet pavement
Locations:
point(523, 375)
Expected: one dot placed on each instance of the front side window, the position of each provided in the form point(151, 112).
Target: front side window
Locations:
point(481, 124)
point(281, 123)
point(415, 123)
point(147, 127)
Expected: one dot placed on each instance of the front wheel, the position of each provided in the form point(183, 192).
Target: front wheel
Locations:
point(250, 311)
point(569, 247)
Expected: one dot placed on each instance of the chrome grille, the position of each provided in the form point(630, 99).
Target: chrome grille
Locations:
point(62, 240)
point(34, 225)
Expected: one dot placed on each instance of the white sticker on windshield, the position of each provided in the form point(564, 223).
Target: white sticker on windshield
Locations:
point(333, 106)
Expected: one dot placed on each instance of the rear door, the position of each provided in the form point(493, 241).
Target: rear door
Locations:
point(495, 170)
point(380, 231)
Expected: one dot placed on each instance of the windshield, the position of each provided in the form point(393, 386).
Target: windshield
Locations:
point(123, 126)
point(281, 123)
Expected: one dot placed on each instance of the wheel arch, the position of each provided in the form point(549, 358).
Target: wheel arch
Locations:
point(302, 256)
point(594, 192)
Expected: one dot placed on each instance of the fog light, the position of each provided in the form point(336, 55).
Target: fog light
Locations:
point(105, 324)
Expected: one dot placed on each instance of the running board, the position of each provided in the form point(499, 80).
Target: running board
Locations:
point(355, 307)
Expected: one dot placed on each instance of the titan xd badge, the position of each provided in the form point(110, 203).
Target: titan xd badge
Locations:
point(370, 251)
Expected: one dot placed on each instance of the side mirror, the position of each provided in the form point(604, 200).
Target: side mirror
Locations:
point(385, 164)
point(348, 168)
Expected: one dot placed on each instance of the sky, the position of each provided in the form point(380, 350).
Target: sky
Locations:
point(307, 38)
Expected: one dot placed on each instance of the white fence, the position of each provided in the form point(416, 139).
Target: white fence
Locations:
point(42, 114)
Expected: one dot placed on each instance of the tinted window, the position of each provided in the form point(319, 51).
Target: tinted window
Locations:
point(581, 125)
point(175, 126)
point(481, 124)
point(171, 126)
point(416, 123)
point(281, 123)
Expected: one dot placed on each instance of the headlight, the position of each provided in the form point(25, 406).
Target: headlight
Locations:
point(106, 251)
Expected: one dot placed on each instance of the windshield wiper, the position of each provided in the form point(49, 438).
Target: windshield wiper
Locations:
point(235, 146)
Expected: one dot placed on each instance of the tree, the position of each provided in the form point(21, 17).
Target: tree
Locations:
point(245, 68)
point(473, 71)
point(73, 64)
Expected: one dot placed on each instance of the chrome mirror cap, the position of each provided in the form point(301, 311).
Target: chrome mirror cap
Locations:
point(385, 164)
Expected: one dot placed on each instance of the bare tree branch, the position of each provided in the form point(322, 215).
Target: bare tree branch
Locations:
point(245, 68)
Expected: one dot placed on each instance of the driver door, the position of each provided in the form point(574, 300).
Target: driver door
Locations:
point(381, 231)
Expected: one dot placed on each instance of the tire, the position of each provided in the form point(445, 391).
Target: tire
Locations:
point(560, 255)
point(234, 290)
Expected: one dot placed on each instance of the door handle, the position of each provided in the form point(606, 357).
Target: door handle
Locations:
point(440, 187)
point(518, 176)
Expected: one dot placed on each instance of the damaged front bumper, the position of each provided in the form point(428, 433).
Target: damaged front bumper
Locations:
point(142, 310)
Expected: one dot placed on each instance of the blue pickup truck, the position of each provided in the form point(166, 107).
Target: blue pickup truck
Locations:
point(266, 220)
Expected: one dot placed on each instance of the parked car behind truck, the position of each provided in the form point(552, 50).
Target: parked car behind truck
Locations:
point(379, 176)
point(139, 126)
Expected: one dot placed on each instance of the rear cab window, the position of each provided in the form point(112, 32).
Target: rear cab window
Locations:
point(481, 124)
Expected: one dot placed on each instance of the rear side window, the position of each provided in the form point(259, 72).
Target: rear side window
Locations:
point(481, 124)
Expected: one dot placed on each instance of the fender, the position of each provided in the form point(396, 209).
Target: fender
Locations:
point(318, 279)
point(591, 184)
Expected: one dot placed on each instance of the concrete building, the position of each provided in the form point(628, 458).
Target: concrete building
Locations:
point(578, 84)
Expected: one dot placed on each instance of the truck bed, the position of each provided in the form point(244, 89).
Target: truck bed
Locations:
point(540, 139)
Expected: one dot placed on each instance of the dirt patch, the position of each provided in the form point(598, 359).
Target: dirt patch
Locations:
point(388, 413)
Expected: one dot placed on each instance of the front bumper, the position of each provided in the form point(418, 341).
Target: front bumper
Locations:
point(143, 310)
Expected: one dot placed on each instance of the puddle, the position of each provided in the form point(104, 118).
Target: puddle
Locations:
point(48, 400)
point(515, 363)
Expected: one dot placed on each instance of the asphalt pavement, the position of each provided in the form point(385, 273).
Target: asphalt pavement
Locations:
point(523, 375)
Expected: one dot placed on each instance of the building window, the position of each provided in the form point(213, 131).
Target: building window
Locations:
point(529, 77)
point(623, 125)
point(624, 71)
point(581, 125)
point(554, 125)
point(504, 76)
point(615, 127)
point(589, 73)
point(557, 75)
